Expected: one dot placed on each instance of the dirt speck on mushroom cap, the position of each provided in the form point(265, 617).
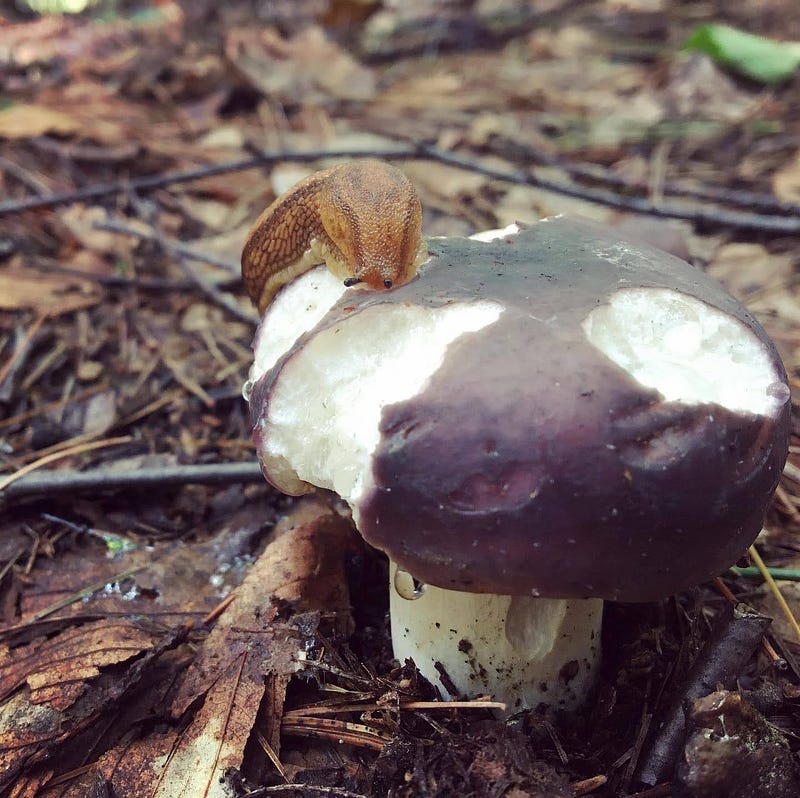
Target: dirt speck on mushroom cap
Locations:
point(532, 463)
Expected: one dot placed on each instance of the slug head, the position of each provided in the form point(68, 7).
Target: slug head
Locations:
point(372, 215)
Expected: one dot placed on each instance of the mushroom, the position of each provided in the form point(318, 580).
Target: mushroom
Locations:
point(541, 420)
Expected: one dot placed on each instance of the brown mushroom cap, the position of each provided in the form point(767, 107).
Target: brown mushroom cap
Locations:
point(531, 462)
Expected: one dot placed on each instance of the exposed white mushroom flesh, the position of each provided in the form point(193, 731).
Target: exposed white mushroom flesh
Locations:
point(325, 423)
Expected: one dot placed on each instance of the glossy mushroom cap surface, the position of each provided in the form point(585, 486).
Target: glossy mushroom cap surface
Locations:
point(552, 413)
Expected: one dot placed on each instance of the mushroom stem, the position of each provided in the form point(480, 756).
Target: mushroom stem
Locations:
point(522, 650)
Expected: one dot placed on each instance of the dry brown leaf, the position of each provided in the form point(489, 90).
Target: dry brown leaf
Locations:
point(30, 732)
point(527, 204)
point(132, 767)
point(213, 215)
point(27, 121)
point(57, 669)
point(308, 68)
point(22, 288)
point(80, 220)
point(745, 268)
point(255, 648)
point(30, 786)
point(698, 89)
point(786, 181)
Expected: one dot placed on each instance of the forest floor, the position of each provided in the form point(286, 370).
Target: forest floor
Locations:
point(151, 630)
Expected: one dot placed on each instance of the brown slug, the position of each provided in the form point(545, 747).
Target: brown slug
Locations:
point(361, 218)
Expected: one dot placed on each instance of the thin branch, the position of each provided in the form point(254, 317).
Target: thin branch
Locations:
point(170, 245)
point(716, 216)
point(80, 448)
point(113, 280)
point(734, 638)
point(742, 198)
point(183, 251)
point(51, 483)
point(788, 224)
point(150, 182)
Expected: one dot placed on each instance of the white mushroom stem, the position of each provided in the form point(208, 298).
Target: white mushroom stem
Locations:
point(522, 650)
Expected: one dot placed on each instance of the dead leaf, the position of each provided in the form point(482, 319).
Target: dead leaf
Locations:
point(745, 268)
point(256, 646)
point(22, 288)
point(786, 181)
point(27, 121)
point(30, 731)
point(57, 670)
point(307, 68)
point(698, 89)
point(80, 220)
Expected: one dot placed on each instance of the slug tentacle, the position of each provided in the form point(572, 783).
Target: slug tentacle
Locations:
point(362, 219)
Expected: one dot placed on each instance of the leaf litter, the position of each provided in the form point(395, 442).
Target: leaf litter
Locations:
point(198, 640)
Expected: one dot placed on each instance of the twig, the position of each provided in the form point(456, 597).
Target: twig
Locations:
point(24, 177)
point(7, 481)
point(169, 245)
point(273, 757)
point(781, 574)
point(357, 734)
point(735, 636)
point(741, 198)
point(113, 280)
point(219, 609)
point(585, 786)
point(782, 603)
point(714, 216)
point(149, 182)
point(735, 219)
point(59, 482)
point(20, 349)
point(198, 280)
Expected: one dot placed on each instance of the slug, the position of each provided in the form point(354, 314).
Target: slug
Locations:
point(361, 218)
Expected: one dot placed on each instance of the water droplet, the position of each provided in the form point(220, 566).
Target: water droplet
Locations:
point(407, 586)
point(246, 389)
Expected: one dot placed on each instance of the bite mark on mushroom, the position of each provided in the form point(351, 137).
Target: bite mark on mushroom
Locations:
point(348, 400)
point(686, 350)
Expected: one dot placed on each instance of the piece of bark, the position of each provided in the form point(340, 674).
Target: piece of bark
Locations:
point(736, 635)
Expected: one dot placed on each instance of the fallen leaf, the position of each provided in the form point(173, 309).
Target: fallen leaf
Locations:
point(80, 220)
point(57, 669)
point(745, 268)
point(786, 181)
point(698, 89)
point(257, 645)
point(307, 68)
point(30, 731)
point(23, 288)
point(27, 121)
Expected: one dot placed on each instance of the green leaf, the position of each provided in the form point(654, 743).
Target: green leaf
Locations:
point(764, 60)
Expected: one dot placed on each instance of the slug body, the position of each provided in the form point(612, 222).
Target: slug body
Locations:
point(362, 219)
